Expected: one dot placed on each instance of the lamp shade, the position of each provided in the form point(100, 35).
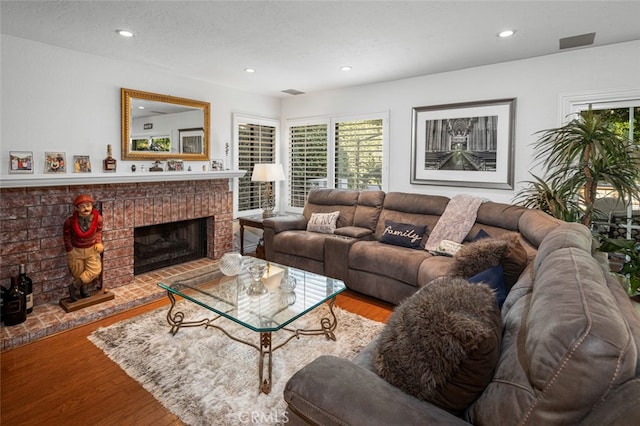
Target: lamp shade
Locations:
point(267, 173)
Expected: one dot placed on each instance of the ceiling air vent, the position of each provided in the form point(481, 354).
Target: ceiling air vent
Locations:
point(293, 92)
point(577, 41)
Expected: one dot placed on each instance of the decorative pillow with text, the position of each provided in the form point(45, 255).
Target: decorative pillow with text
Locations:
point(402, 234)
point(324, 223)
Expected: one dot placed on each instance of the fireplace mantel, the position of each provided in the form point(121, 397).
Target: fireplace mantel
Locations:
point(42, 180)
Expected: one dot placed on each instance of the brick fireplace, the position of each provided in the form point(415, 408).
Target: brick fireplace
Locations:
point(31, 220)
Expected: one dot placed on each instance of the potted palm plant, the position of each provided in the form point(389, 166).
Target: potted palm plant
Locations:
point(628, 271)
point(578, 157)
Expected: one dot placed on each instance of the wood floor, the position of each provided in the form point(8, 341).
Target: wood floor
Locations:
point(65, 380)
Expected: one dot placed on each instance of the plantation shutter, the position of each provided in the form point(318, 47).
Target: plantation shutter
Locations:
point(256, 144)
point(358, 154)
point(307, 161)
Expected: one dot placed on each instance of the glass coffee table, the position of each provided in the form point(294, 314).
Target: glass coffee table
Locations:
point(266, 312)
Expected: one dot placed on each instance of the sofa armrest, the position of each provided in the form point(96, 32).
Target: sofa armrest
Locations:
point(285, 223)
point(335, 391)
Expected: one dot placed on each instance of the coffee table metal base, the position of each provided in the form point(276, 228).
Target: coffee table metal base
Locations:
point(327, 327)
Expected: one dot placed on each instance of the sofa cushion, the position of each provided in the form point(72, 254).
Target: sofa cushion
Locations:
point(368, 209)
point(331, 200)
point(494, 278)
point(416, 209)
point(301, 243)
point(441, 345)
point(385, 260)
point(324, 223)
point(402, 234)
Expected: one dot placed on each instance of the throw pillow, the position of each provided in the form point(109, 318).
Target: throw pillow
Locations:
point(324, 223)
point(477, 256)
point(402, 234)
point(494, 278)
point(442, 344)
point(480, 235)
point(514, 260)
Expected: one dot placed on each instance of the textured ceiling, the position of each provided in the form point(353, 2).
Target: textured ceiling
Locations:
point(302, 44)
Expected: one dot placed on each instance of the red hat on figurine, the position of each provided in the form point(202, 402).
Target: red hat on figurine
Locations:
point(83, 199)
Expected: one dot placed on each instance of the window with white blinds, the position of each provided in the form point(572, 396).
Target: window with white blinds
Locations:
point(358, 154)
point(344, 152)
point(307, 161)
point(256, 143)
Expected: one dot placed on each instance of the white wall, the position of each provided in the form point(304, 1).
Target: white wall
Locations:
point(56, 99)
point(537, 84)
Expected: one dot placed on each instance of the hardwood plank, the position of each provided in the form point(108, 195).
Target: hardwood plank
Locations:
point(65, 379)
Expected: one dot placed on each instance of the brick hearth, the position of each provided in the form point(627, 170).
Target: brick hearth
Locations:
point(50, 318)
point(31, 221)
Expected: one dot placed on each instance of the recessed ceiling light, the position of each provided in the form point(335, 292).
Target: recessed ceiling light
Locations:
point(506, 33)
point(345, 68)
point(125, 33)
point(249, 70)
point(140, 107)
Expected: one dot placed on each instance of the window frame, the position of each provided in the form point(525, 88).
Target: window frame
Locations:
point(330, 121)
point(259, 121)
point(573, 103)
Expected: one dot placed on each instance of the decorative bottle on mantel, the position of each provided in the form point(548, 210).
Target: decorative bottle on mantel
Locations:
point(109, 163)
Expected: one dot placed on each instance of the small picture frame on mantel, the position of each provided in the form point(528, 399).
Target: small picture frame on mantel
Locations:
point(175, 166)
point(55, 162)
point(217, 165)
point(20, 162)
point(81, 164)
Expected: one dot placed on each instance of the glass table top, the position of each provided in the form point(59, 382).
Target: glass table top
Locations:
point(228, 296)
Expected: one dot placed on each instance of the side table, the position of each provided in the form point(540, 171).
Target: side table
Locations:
point(252, 222)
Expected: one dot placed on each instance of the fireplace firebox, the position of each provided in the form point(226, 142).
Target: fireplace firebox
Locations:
point(167, 244)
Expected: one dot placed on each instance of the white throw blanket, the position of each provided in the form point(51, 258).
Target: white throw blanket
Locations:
point(456, 221)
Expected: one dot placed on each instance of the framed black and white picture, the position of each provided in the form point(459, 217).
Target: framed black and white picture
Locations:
point(466, 144)
point(20, 162)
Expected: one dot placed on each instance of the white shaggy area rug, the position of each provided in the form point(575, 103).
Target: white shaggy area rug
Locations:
point(205, 378)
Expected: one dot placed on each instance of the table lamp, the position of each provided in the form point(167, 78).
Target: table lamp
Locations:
point(268, 173)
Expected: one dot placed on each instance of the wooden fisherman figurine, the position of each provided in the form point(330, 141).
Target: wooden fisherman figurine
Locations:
point(83, 243)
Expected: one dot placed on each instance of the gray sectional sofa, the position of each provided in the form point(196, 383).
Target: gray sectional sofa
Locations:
point(563, 349)
point(570, 340)
point(354, 253)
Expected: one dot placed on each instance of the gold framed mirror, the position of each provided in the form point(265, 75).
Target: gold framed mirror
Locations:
point(161, 127)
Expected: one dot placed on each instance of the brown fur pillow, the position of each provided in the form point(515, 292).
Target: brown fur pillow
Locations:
point(478, 256)
point(442, 344)
point(515, 259)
